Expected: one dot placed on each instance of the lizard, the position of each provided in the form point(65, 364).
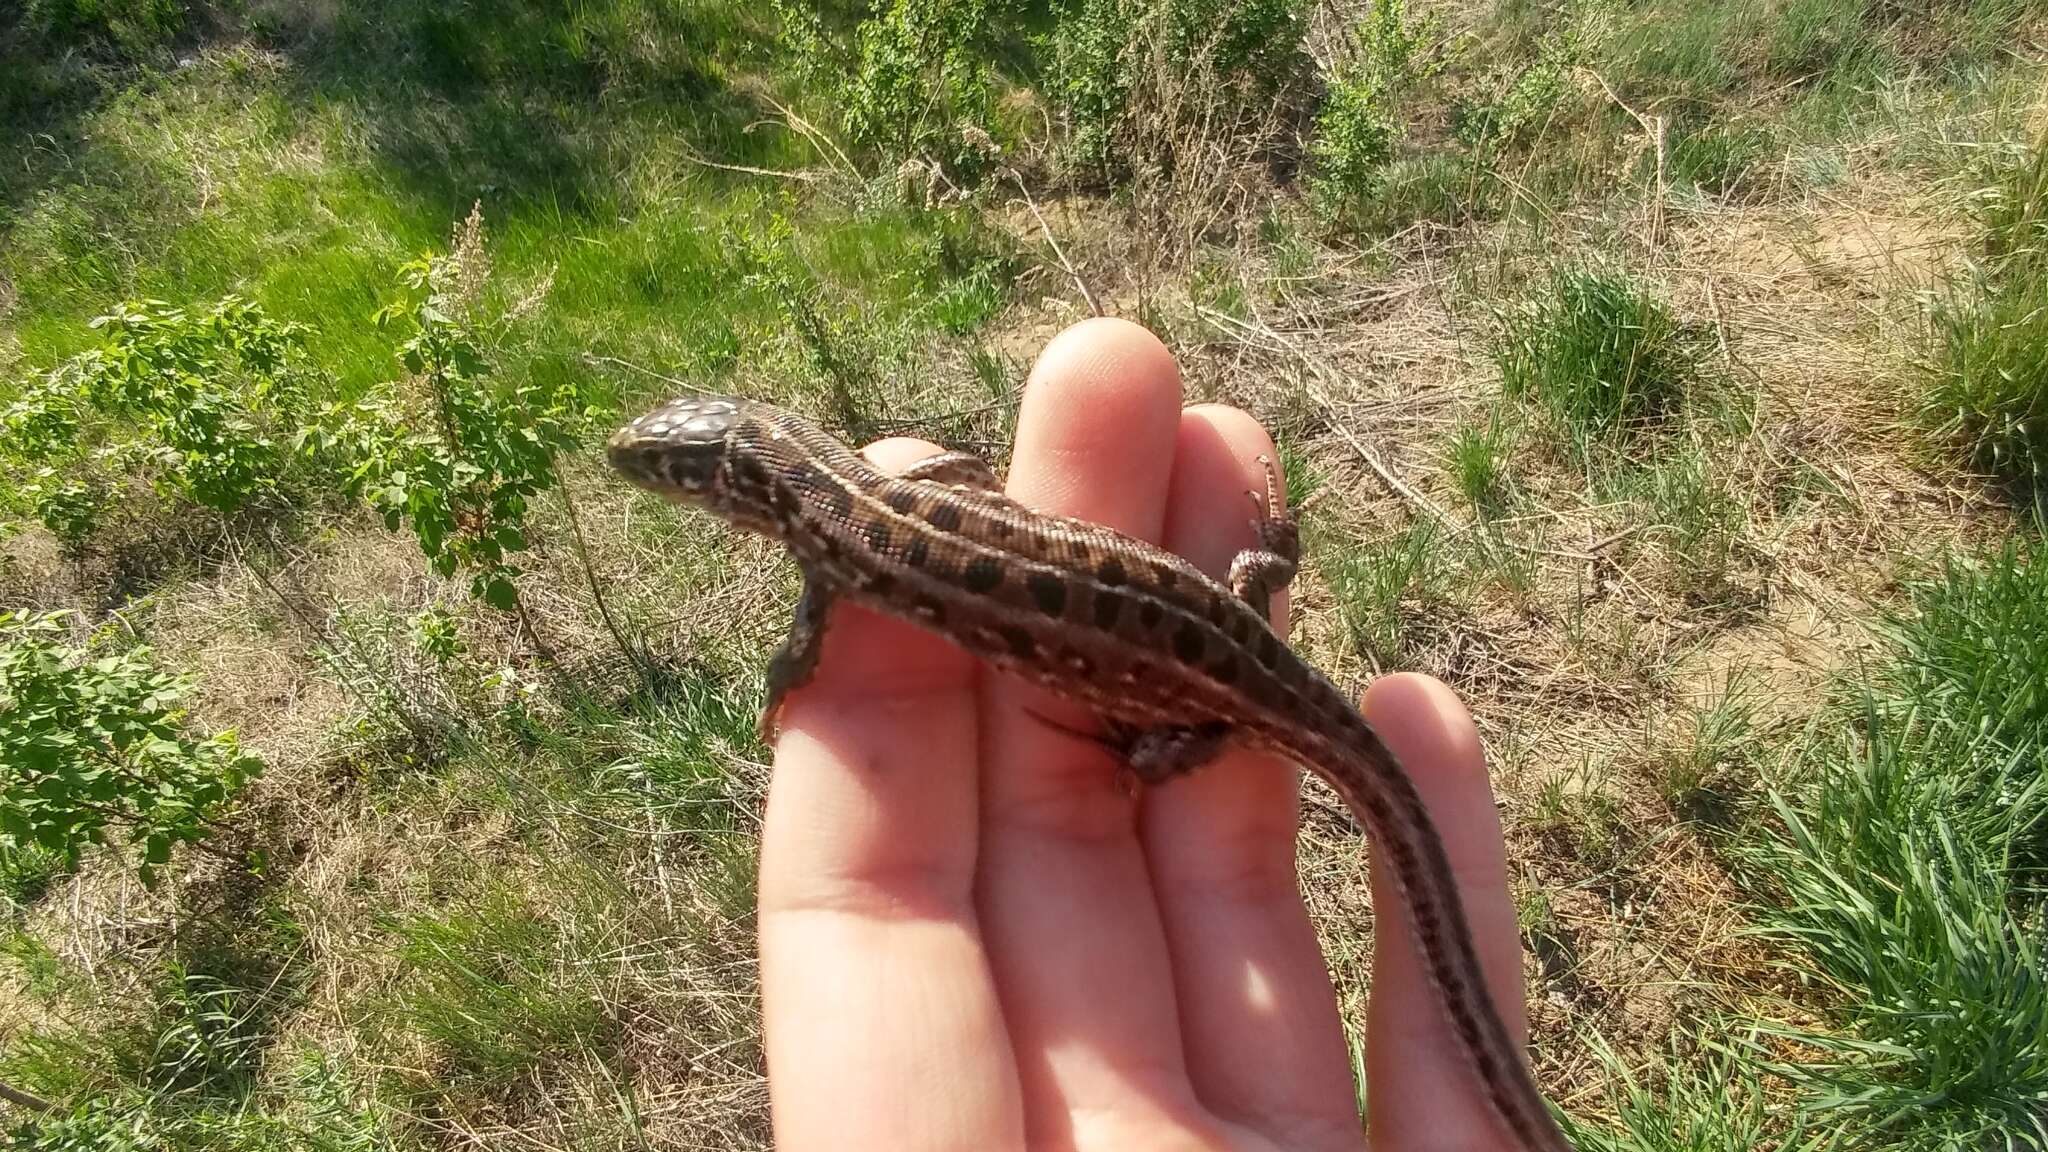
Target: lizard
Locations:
point(1172, 662)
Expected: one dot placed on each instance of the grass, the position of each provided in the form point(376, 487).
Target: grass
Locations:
point(1780, 870)
point(1988, 385)
point(1601, 354)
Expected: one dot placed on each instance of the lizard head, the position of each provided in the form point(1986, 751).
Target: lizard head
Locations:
point(680, 450)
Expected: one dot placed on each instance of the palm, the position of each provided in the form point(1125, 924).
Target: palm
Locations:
point(973, 936)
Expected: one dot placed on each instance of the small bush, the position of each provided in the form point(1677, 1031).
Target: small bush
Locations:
point(1599, 352)
point(203, 404)
point(1135, 81)
point(1357, 126)
point(93, 748)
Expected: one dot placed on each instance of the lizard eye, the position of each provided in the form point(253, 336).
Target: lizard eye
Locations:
point(677, 449)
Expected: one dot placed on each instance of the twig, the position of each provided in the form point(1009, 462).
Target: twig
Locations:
point(20, 1099)
point(631, 652)
point(1094, 309)
point(1373, 461)
point(805, 177)
point(592, 358)
point(810, 132)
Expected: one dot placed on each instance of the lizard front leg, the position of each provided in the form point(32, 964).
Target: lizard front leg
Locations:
point(797, 660)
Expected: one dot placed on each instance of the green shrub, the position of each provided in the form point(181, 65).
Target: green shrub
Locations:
point(916, 82)
point(447, 452)
point(1355, 131)
point(93, 747)
point(202, 403)
point(1129, 77)
point(1599, 352)
point(1357, 126)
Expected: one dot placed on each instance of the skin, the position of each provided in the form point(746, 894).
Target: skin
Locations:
point(973, 935)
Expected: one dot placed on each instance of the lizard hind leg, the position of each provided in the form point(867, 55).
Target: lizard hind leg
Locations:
point(1258, 572)
point(962, 468)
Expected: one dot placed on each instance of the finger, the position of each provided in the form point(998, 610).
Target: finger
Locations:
point(1422, 1092)
point(1066, 904)
point(880, 1017)
point(1264, 1042)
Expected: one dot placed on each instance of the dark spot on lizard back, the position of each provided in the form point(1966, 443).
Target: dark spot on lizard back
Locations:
point(1049, 592)
point(917, 552)
point(750, 468)
point(944, 515)
point(1150, 613)
point(1217, 609)
point(840, 501)
point(1111, 572)
point(877, 534)
point(982, 574)
point(1187, 642)
point(1108, 606)
point(902, 500)
point(1225, 670)
point(1164, 575)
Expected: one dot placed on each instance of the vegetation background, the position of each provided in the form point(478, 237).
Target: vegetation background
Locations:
point(376, 772)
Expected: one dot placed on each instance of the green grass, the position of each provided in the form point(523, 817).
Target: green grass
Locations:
point(1601, 354)
point(1908, 858)
point(506, 899)
point(1987, 387)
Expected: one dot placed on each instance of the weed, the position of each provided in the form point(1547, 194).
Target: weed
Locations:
point(1599, 352)
point(1478, 457)
point(1710, 767)
point(1375, 584)
point(1987, 388)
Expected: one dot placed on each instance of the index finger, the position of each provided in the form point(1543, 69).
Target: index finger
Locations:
point(879, 1016)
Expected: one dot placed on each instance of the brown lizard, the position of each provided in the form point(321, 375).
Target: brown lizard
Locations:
point(1171, 661)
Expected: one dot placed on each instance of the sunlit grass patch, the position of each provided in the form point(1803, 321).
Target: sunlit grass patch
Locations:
point(1906, 863)
point(1599, 352)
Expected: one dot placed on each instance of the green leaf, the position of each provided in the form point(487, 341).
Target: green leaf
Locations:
point(499, 593)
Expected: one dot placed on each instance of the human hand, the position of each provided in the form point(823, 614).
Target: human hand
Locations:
point(973, 937)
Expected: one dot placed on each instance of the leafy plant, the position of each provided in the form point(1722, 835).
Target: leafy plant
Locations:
point(1357, 126)
point(93, 746)
point(203, 403)
point(446, 452)
point(1104, 58)
point(916, 83)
